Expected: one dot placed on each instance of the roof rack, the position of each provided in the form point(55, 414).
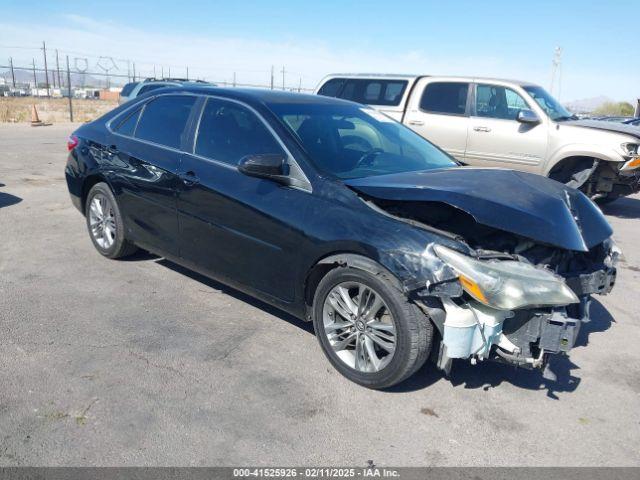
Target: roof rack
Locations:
point(170, 79)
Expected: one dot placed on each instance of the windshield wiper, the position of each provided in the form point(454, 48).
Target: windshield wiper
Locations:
point(565, 117)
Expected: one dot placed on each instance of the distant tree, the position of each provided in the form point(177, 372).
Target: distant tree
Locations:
point(618, 109)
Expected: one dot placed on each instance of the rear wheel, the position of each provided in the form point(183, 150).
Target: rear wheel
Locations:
point(368, 329)
point(104, 223)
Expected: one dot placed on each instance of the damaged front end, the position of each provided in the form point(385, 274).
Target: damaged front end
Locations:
point(601, 179)
point(524, 316)
point(515, 308)
point(502, 289)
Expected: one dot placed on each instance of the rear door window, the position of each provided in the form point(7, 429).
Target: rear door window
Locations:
point(374, 92)
point(164, 119)
point(229, 131)
point(445, 97)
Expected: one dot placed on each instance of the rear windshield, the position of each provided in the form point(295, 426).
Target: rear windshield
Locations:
point(368, 91)
point(128, 88)
point(152, 86)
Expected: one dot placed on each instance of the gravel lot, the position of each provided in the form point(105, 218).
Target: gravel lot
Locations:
point(141, 362)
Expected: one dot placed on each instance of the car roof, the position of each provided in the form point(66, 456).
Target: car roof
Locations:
point(258, 95)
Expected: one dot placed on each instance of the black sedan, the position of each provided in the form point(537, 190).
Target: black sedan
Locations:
point(341, 216)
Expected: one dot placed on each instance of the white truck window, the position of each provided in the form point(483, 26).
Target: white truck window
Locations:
point(493, 101)
point(368, 91)
point(445, 97)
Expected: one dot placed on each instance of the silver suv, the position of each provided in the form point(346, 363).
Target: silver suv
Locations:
point(503, 123)
point(135, 89)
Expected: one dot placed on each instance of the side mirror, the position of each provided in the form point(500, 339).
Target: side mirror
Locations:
point(527, 116)
point(272, 166)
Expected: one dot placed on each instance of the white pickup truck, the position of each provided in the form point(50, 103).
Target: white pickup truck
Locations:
point(503, 123)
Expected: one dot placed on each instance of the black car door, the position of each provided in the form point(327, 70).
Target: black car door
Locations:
point(148, 155)
point(243, 229)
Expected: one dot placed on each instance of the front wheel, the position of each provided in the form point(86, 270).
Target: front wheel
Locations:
point(368, 329)
point(104, 222)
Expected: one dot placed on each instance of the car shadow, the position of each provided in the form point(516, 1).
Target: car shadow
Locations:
point(237, 294)
point(6, 199)
point(139, 256)
point(623, 208)
point(484, 375)
point(488, 375)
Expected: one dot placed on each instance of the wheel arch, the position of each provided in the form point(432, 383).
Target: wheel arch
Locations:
point(335, 260)
point(571, 162)
point(570, 153)
point(88, 184)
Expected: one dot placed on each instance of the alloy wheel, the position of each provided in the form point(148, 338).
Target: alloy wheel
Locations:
point(359, 326)
point(102, 221)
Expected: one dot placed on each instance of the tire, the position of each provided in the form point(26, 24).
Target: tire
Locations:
point(104, 223)
point(413, 333)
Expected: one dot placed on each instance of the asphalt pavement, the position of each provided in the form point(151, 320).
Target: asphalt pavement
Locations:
point(141, 362)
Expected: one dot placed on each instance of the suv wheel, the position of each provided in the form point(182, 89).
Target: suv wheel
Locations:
point(104, 223)
point(368, 329)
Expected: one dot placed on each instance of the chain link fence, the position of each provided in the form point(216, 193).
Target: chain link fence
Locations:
point(78, 77)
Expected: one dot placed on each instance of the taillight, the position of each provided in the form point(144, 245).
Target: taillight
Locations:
point(72, 142)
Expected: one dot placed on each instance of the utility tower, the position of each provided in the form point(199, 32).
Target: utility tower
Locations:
point(556, 73)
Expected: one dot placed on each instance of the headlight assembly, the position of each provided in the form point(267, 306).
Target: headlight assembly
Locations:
point(507, 284)
point(630, 149)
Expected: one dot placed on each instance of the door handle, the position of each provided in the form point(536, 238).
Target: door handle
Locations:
point(482, 129)
point(417, 123)
point(188, 178)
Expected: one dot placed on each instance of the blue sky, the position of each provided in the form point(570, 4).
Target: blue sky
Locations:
point(490, 38)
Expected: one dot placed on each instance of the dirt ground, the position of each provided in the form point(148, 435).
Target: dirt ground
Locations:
point(51, 110)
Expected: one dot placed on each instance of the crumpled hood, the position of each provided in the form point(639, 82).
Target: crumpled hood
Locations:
point(522, 203)
point(606, 126)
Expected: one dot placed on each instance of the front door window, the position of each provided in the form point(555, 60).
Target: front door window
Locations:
point(493, 101)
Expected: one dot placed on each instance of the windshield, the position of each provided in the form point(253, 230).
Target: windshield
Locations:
point(351, 141)
point(550, 105)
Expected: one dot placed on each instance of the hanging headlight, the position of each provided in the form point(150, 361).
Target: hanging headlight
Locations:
point(507, 284)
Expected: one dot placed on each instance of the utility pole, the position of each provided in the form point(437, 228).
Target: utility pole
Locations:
point(234, 79)
point(13, 76)
point(161, 71)
point(283, 72)
point(169, 72)
point(134, 71)
point(187, 73)
point(35, 78)
point(128, 70)
point(556, 71)
point(58, 70)
point(271, 77)
point(69, 90)
point(46, 74)
point(300, 85)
